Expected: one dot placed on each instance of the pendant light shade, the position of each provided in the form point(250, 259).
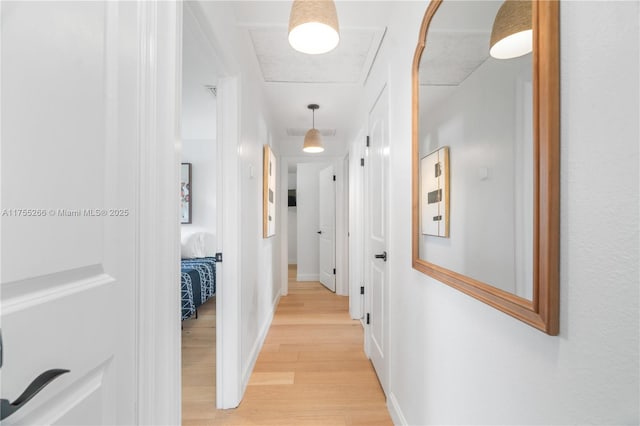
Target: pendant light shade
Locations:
point(512, 34)
point(312, 140)
point(313, 26)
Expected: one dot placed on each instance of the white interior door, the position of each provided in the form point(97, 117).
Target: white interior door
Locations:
point(377, 275)
point(69, 152)
point(327, 225)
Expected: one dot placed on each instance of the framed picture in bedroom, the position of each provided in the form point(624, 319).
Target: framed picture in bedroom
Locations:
point(268, 193)
point(186, 194)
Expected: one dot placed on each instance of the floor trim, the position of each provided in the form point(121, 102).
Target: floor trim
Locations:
point(394, 410)
point(257, 347)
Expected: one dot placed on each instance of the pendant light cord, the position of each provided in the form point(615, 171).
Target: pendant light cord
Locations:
point(313, 120)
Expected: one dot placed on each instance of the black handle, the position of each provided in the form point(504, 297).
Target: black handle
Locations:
point(319, 232)
point(8, 408)
point(382, 256)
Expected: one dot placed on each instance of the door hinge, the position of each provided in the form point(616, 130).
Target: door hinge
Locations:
point(368, 319)
point(362, 162)
point(334, 271)
point(367, 141)
point(362, 290)
point(334, 178)
point(218, 257)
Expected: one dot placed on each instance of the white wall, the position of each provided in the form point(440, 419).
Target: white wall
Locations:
point(199, 69)
point(292, 224)
point(258, 269)
point(198, 128)
point(455, 360)
point(308, 220)
point(202, 156)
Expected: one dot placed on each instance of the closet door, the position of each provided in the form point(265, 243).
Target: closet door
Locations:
point(327, 225)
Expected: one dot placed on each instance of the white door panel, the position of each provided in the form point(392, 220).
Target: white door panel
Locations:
point(69, 149)
point(377, 276)
point(327, 222)
point(378, 320)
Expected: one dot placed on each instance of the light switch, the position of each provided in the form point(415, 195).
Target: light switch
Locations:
point(483, 173)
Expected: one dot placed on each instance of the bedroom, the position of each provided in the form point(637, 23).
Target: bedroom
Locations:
point(198, 214)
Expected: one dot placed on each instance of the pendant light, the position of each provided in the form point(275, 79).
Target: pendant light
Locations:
point(312, 140)
point(512, 33)
point(313, 26)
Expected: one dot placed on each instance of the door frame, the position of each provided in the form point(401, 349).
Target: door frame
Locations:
point(158, 352)
point(341, 241)
point(356, 224)
point(158, 328)
point(229, 386)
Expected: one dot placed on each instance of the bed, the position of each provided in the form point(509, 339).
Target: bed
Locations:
point(198, 283)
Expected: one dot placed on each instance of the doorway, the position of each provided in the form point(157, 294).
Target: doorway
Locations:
point(300, 226)
point(199, 219)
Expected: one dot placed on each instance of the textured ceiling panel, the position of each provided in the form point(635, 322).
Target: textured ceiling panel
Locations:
point(347, 63)
point(450, 57)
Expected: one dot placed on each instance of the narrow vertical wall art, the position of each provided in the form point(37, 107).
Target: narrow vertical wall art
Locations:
point(186, 194)
point(268, 193)
point(434, 194)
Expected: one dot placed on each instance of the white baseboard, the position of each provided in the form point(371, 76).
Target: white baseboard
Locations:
point(308, 277)
point(257, 346)
point(394, 410)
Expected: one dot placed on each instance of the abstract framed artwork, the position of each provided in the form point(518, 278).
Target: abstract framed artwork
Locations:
point(268, 193)
point(434, 194)
point(186, 193)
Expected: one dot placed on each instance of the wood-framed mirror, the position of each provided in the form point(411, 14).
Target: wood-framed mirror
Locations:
point(485, 155)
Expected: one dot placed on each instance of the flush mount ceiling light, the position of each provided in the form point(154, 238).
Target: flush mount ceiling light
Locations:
point(512, 34)
point(312, 140)
point(313, 26)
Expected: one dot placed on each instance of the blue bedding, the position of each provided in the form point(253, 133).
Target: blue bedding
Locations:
point(198, 283)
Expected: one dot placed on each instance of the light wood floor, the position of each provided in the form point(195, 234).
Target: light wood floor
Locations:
point(199, 365)
point(311, 371)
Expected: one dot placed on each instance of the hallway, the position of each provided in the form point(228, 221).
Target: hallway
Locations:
point(311, 371)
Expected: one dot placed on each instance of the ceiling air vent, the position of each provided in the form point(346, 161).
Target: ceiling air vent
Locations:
point(213, 90)
point(302, 132)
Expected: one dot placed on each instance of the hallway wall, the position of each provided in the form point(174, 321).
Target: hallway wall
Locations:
point(455, 360)
point(258, 269)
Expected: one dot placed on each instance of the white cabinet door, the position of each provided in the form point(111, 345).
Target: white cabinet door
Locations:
point(327, 231)
point(69, 209)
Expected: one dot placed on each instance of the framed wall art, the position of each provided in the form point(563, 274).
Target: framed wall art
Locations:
point(434, 197)
point(268, 193)
point(186, 193)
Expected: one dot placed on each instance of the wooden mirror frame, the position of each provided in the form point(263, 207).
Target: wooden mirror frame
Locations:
point(543, 311)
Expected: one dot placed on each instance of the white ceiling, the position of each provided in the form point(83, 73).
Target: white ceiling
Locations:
point(335, 80)
point(347, 63)
point(451, 57)
point(293, 80)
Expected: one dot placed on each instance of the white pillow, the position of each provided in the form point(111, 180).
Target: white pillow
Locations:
point(193, 246)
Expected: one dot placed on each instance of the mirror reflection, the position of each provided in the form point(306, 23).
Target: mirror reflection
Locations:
point(476, 146)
